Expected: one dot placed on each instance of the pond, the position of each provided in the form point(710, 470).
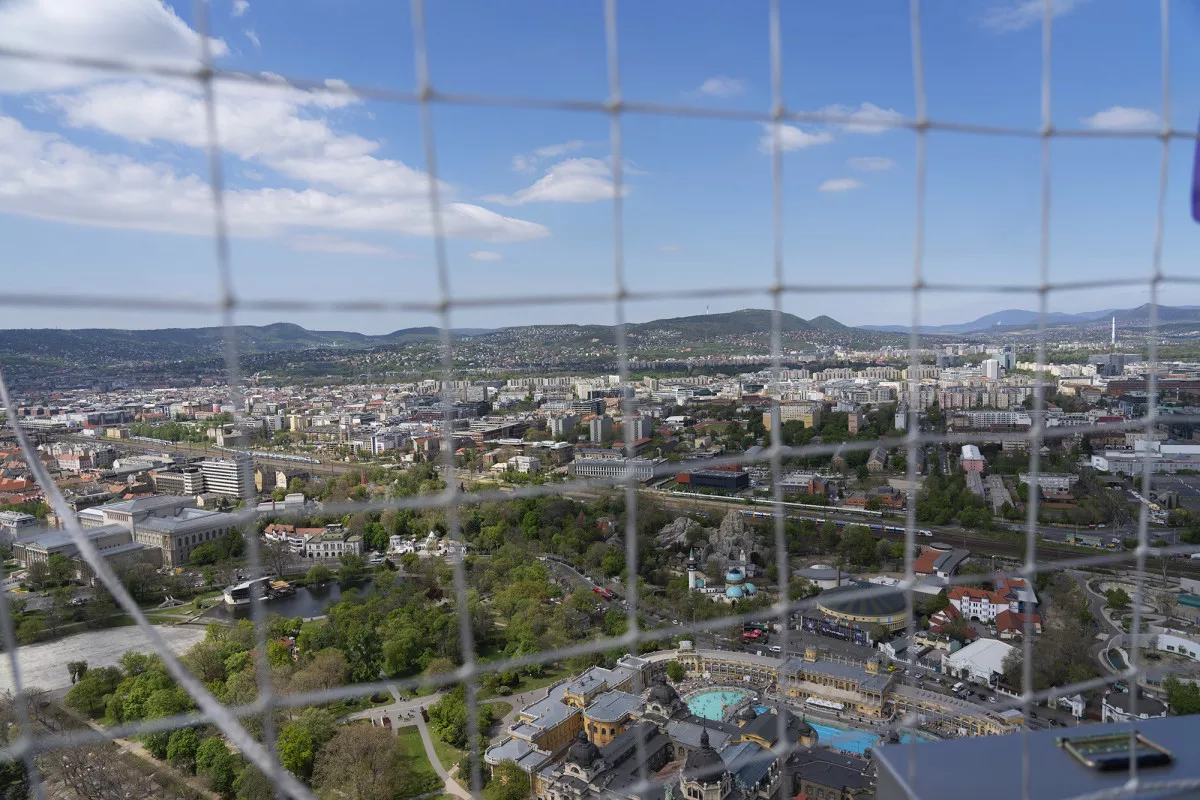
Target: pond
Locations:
point(308, 601)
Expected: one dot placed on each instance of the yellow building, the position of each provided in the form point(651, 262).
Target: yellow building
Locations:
point(836, 685)
point(610, 715)
point(808, 413)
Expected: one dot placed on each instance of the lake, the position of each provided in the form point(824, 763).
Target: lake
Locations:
point(308, 601)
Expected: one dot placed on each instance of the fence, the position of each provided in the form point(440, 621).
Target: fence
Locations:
point(425, 96)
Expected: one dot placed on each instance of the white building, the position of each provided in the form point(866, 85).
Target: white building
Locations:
point(13, 523)
point(991, 369)
point(1119, 706)
point(642, 468)
point(335, 541)
point(982, 661)
point(229, 477)
point(1051, 481)
point(526, 465)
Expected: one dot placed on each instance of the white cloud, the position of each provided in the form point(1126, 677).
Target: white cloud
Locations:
point(1017, 15)
point(871, 164)
point(485, 255)
point(576, 180)
point(137, 30)
point(721, 86)
point(668, 248)
point(791, 138)
point(1120, 118)
point(840, 185)
point(240, 7)
point(559, 150)
point(867, 118)
point(523, 163)
point(346, 186)
point(43, 175)
point(253, 37)
point(328, 243)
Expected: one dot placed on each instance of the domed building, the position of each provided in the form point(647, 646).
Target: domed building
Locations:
point(704, 776)
point(846, 607)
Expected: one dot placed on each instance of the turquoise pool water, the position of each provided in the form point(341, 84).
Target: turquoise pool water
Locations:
point(708, 704)
point(849, 739)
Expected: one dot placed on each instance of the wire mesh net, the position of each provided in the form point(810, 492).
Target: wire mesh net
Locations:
point(424, 96)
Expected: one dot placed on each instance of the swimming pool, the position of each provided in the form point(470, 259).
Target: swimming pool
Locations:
point(708, 704)
point(850, 739)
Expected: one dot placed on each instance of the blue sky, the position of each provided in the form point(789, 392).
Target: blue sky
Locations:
point(104, 185)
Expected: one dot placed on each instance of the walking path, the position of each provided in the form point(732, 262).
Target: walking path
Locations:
point(408, 712)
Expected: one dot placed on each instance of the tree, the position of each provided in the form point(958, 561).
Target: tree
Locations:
point(208, 553)
point(209, 752)
point(252, 784)
point(76, 669)
point(275, 556)
point(509, 782)
point(296, 750)
point(880, 633)
point(1118, 599)
point(88, 694)
point(181, 750)
point(358, 763)
point(862, 472)
point(37, 575)
point(675, 671)
point(30, 630)
point(320, 724)
point(1184, 698)
point(448, 717)
point(59, 570)
point(936, 603)
point(352, 568)
point(318, 573)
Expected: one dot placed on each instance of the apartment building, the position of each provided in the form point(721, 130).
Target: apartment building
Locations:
point(229, 477)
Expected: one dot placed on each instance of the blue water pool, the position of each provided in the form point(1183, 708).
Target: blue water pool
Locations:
point(708, 704)
point(849, 739)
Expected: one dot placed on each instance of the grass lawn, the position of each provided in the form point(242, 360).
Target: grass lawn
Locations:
point(448, 754)
point(419, 776)
point(549, 675)
point(352, 704)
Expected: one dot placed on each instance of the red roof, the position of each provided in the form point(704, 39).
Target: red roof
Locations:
point(923, 565)
point(1012, 621)
point(960, 593)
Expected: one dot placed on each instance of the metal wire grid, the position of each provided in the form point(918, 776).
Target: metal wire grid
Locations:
point(424, 96)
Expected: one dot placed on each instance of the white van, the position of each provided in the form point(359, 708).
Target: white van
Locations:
point(958, 687)
point(776, 648)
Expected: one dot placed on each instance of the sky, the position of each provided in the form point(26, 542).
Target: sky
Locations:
point(105, 181)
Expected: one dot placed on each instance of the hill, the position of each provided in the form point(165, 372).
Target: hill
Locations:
point(1020, 319)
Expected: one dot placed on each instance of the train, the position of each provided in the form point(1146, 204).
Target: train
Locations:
point(272, 456)
point(254, 453)
point(875, 527)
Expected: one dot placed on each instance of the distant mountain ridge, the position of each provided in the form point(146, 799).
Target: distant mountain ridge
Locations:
point(1017, 319)
point(111, 345)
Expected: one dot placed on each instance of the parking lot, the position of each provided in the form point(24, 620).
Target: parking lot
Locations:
point(1188, 487)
